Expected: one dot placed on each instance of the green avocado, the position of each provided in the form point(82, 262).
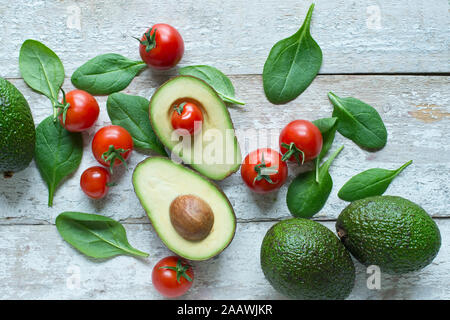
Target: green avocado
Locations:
point(391, 232)
point(214, 151)
point(17, 132)
point(159, 182)
point(303, 259)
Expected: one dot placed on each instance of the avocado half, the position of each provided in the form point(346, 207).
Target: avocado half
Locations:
point(158, 182)
point(214, 152)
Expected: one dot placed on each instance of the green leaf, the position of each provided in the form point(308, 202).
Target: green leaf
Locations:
point(106, 73)
point(305, 196)
point(131, 113)
point(41, 68)
point(327, 127)
point(95, 235)
point(215, 78)
point(372, 182)
point(359, 122)
point(58, 153)
point(292, 64)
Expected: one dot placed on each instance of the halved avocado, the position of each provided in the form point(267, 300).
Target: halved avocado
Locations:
point(160, 183)
point(214, 151)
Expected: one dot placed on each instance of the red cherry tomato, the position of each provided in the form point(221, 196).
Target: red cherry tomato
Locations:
point(172, 277)
point(263, 171)
point(300, 141)
point(112, 145)
point(161, 47)
point(81, 113)
point(187, 116)
point(95, 182)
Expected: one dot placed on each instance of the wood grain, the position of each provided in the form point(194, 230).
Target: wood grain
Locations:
point(38, 264)
point(23, 198)
point(356, 37)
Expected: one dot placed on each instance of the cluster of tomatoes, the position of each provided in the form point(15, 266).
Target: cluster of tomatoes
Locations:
point(111, 146)
point(265, 170)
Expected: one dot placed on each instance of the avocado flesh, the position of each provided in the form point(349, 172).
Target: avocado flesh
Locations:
point(17, 132)
point(389, 231)
point(303, 259)
point(218, 158)
point(158, 181)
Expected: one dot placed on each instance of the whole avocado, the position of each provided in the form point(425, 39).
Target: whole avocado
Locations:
point(389, 231)
point(303, 259)
point(17, 132)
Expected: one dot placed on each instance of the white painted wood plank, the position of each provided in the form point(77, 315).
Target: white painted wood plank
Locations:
point(236, 36)
point(415, 109)
point(38, 264)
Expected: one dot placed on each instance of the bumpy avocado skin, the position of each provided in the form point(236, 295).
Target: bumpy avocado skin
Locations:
point(17, 132)
point(303, 259)
point(389, 231)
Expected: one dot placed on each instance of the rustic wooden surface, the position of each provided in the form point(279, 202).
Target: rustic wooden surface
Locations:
point(409, 43)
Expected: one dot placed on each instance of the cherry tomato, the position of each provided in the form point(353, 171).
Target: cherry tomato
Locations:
point(263, 171)
point(81, 111)
point(161, 47)
point(172, 277)
point(300, 141)
point(187, 116)
point(112, 145)
point(95, 182)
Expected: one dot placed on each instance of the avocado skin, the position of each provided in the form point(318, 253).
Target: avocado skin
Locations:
point(303, 259)
point(17, 132)
point(389, 231)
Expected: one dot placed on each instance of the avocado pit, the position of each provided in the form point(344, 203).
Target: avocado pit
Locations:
point(191, 217)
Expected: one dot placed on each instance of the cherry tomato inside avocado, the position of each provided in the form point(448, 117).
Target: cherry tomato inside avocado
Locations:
point(263, 170)
point(300, 141)
point(172, 277)
point(161, 47)
point(187, 118)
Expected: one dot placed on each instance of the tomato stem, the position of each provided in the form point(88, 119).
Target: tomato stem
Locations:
point(180, 269)
point(149, 42)
point(293, 151)
point(179, 108)
point(264, 172)
point(112, 154)
point(61, 108)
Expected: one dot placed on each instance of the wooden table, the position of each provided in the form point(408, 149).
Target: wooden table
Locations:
point(392, 54)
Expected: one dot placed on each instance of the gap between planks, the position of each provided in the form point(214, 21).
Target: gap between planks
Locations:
point(394, 74)
point(146, 221)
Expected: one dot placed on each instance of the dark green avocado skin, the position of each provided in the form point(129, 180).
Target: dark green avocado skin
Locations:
point(303, 259)
point(391, 232)
point(17, 132)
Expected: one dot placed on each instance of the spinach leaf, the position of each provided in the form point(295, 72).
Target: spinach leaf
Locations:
point(95, 235)
point(106, 73)
point(359, 122)
point(41, 68)
point(292, 64)
point(305, 196)
point(372, 182)
point(327, 127)
point(131, 113)
point(58, 153)
point(215, 78)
